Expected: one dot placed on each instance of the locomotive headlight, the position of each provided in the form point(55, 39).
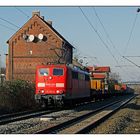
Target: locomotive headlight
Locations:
point(57, 91)
point(42, 91)
point(50, 77)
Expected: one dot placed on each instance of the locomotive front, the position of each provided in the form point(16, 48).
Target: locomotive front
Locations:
point(50, 84)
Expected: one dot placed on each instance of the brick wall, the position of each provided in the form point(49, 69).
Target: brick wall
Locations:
point(24, 56)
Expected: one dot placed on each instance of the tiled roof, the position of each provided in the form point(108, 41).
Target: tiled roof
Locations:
point(99, 69)
point(102, 69)
point(47, 24)
point(98, 76)
point(55, 31)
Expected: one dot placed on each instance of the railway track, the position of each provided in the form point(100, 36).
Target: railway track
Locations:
point(84, 123)
point(8, 118)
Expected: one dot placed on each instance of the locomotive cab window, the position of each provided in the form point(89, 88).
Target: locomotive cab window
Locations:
point(44, 72)
point(58, 71)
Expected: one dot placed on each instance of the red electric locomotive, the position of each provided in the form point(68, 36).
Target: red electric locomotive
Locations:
point(60, 84)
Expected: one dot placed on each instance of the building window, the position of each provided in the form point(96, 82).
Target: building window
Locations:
point(30, 52)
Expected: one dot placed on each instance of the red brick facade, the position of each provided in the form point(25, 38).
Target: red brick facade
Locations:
point(24, 56)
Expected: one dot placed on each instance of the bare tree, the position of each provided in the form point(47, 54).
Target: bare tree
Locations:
point(76, 54)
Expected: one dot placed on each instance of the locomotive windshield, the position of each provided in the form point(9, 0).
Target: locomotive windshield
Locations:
point(58, 71)
point(44, 71)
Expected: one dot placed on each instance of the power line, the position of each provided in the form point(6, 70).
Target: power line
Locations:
point(98, 34)
point(133, 25)
point(138, 10)
point(131, 62)
point(9, 22)
point(7, 27)
point(132, 56)
point(22, 12)
point(125, 57)
point(123, 66)
point(107, 35)
point(125, 72)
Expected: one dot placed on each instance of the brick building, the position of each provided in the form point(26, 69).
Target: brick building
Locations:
point(36, 43)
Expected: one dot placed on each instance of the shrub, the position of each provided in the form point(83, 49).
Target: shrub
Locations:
point(17, 95)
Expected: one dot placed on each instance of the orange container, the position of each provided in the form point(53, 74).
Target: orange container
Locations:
point(117, 87)
point(124, 87)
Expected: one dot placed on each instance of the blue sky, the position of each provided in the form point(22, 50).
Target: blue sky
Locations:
point(70, 22)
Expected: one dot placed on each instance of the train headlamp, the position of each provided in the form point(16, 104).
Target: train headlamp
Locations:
point(50, 77)
point(59, 91)
point(42, 91)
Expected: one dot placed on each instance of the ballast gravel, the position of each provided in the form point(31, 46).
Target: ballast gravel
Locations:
point(125, 121)
point(30, 126)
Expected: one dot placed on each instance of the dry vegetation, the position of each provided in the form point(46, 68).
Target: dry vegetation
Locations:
point(16, 96)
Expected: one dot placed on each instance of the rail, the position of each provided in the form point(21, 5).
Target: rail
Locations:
point(84, 123)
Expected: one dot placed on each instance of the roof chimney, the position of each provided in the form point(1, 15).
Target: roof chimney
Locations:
point(49, 22)
point(36, 13)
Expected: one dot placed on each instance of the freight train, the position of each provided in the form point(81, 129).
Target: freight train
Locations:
point(61, 84)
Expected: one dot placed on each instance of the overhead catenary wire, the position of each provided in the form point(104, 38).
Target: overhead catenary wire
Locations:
point(107, 35)
point(98, 34)
point(7, 27)
point(131, 61)
point(131, 32)
point(9, 22)
point(79, 54)
point(133, 56)
point(21, 11)
point(128, 73)
point(101, 38)
point(127, 44)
